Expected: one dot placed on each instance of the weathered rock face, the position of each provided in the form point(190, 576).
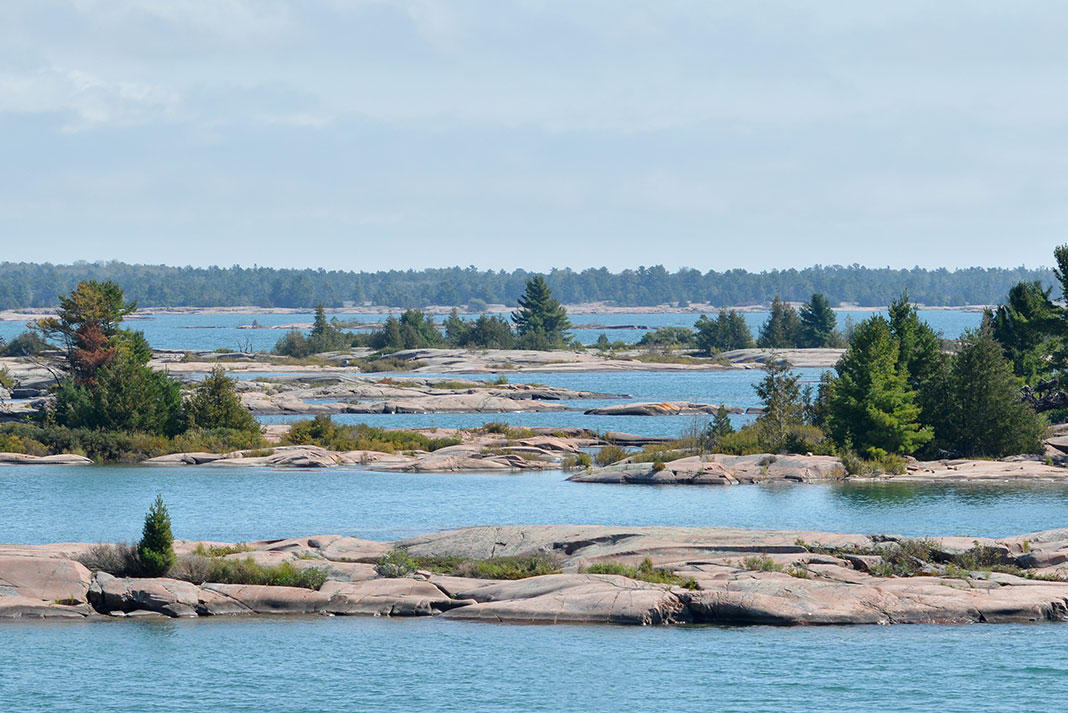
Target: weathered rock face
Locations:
point(719, 469)
point(171, 597)
point(58, 459)
point(738, 577)
point(666, 408)
point(780, 599)
point(388, 597)
point(45, 578)
point(560, 598)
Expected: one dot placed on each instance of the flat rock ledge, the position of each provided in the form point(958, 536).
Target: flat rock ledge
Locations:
point(721, 469)
point(734, 577)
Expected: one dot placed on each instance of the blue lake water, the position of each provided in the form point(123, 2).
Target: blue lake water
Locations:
point(107, 503)
point(215, 331)
point(305, 665)
point(732, 387)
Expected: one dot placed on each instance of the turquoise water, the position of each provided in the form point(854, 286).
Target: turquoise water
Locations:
point(55, 503)
point(359, 664)
point(214, 331)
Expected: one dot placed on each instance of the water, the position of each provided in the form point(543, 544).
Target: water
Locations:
point(730, 387)
point(360, 664)
point(107, 503)
point(204, 332)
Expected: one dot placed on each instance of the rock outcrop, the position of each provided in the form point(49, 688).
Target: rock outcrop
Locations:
point(731, 576)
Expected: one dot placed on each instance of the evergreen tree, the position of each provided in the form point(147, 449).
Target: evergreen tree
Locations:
point(87, 323)
point(720, 427)
point(456, 330)
point(871, 405)
point(602, 342)
point(215, 404)
point(782, 330)
point(783, 408)
point(738, 334)
point(110, 385)
point(987, 417)
point(541, 321)
point(156, 548)
point(819, 326)
point(921, 358)
point(1029, 326)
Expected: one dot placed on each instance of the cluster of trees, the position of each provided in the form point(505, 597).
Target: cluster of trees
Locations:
point(541, 322)
point(814, 327)
point(35, 285)
point(896, 391)
point(1033, 330)
point(108, 385)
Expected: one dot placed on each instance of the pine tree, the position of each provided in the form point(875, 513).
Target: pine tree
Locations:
point(541, 321)
point(1028, 326)
point(738, 334)
point(926, 368)
point(987, 417)
point(720, 427)
point(819, 326)
point(783, 408)
point(156, 548)
point(215, 404)
point(871, 405)
point(783, 328)
point(456, 330)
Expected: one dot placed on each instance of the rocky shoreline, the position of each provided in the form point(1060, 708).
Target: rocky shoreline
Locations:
point(731, 576)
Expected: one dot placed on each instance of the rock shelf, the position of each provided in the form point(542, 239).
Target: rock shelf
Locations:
point(733, 576)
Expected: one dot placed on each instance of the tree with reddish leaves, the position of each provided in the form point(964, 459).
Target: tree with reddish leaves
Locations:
point(88, 326)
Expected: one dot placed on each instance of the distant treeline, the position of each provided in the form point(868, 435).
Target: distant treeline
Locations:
point(38, 285)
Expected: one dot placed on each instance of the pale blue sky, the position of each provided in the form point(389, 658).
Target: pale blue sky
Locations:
point(375, 134)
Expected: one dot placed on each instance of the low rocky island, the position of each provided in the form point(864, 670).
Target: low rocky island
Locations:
point(574, 573)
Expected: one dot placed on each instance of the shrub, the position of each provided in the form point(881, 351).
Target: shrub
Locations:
point(247, 571)
point(120, 560)
point(216, 405)
point(322, 431)
point(396, 563)
point(29, 343)
point(644, 572)
point(609, 454)
point(156, 548)
point(659, 466)
point(582, 460)
point(10, 443)
point(509, 567)
point(761, 563)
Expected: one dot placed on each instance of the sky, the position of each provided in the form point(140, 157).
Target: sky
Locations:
point(377, 134)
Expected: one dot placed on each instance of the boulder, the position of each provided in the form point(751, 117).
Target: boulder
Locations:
point(261, 599)
point(43, 578)
point(352, 549)
point(572, 598)
point(388, 597)
point(15, 607)
point(171, 597)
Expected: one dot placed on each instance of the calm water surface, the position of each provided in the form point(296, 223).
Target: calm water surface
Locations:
point(360, 664)
point(53, 503)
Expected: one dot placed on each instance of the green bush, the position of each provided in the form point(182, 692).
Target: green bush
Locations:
point(322, 431)
point(156, 548)
point(609, 454)
point(28, 343)
point(233, 570)
point(644, 572)
point(10, 443)
point(509, 567)
point(216, 405)
point(396, 563)
point(761, 563)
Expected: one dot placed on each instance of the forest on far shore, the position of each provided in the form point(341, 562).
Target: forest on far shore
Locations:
point(38, 285)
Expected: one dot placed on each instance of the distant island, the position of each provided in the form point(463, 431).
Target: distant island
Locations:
point(33, 285)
